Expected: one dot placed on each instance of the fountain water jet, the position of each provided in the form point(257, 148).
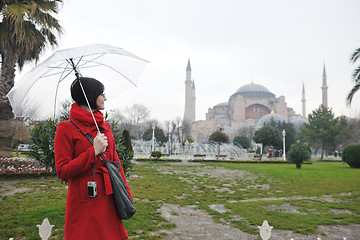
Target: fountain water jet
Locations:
point(188, 150)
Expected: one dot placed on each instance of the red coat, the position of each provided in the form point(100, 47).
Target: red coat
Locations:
point(88, 218)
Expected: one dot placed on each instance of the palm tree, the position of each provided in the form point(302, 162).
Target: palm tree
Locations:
point(356, 76)
point(26, 27)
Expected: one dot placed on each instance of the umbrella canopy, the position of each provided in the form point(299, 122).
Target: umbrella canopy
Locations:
point(40, 93)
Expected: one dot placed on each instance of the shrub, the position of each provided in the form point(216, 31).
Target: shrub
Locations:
point(219, 137)
point(127, 140)
point(125, 156)
point(156, 154)
point(299, 153)
point(123, 148)
point(243, 141)
point(125, 152)
point(42, 135)
point(351, 155)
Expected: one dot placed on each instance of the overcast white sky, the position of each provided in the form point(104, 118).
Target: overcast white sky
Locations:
point(276, 43)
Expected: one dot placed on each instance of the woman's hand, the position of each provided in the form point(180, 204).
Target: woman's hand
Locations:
point(100, 143)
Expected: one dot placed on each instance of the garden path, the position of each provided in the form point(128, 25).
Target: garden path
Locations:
point(196, 224)
point(8, 187)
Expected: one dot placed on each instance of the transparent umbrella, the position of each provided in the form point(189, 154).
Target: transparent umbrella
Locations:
point(40, 92)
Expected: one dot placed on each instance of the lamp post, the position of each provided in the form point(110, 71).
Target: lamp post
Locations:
point(180, 134)
point(169, 142)
point(153, 138)
point(181, 140)
point(284, 152)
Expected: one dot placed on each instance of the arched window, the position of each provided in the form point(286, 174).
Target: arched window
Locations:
point(256, 111)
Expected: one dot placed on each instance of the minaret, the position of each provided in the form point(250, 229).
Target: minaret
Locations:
point(189, 114)
point(303, 100)
point(324, 88)
point(193, 98)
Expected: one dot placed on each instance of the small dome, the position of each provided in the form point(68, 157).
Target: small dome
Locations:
point(298, 122)
point(222, 104)
point(221, 116)
point(254, 90)
point(267, 118)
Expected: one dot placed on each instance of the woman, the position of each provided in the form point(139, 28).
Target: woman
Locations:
point(78, 162)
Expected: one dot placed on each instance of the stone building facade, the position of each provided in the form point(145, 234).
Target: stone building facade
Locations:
point(248, 109)
point(244, 109)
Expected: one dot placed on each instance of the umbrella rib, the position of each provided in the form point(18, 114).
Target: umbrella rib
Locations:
point(101, 64)
point(58, 83)
point(96, 57)
point(57, 73)
point(40, 77)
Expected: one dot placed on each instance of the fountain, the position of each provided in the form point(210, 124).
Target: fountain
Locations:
point(211, 150)
point(142, 149)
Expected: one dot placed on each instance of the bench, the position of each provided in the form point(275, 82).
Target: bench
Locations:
point(257, 157)
point(220, 156)
point(200, 155)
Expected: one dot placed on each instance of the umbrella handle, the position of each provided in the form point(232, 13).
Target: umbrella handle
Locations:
point(77, 74)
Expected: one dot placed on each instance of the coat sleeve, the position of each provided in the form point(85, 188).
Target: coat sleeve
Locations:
point(66, 166)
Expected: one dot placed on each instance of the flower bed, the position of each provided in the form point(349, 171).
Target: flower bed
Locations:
point(21, 167)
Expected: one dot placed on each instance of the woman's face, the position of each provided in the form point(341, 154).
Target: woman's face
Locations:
point(100, 101)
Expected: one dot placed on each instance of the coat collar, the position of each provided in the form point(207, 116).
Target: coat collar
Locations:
point(84, 120)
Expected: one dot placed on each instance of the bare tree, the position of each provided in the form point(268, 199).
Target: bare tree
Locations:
point(177, 126)
point(354, 126)
point(138, 114)
point(186, 127)
point(20, 132)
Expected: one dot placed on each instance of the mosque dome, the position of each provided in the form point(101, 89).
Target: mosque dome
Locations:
point(222, 104)
point(221, 116)
point(298, 122)
point(267, 118)
point(253, 90)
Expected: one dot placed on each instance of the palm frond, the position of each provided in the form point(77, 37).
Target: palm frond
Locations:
point(47, 21)
point(355, 55)
point(352, 93)
point(16, 12)
point(46, 5)
point(356, 75)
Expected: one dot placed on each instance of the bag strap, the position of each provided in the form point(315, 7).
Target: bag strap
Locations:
point(91, 140)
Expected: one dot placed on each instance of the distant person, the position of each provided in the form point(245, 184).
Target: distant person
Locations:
point(276, 153)
point(270, 153)
point(90, 209)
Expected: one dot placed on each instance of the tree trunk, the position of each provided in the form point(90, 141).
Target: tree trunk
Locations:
point(6, 135)
point(6, 82)
point(322, 153)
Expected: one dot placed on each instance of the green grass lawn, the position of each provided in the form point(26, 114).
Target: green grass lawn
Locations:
point(21, 154)
point(254, 192)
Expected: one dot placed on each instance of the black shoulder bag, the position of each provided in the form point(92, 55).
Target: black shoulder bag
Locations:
point(123, 204)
